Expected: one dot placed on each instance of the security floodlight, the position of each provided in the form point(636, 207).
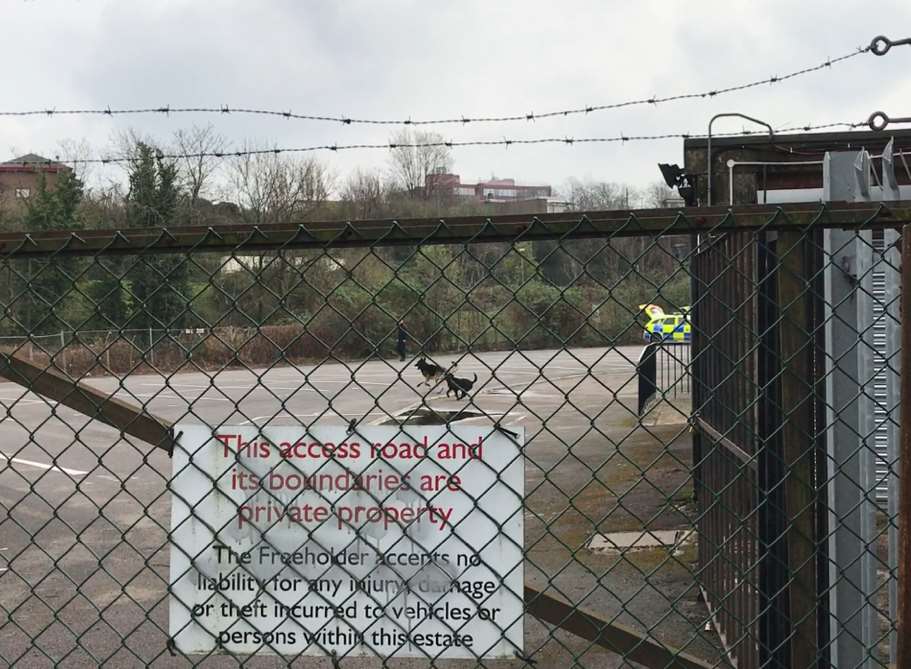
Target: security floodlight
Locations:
point(671, 174)
point(685, 183)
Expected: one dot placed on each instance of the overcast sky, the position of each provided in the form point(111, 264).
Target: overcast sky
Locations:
point(421, 59)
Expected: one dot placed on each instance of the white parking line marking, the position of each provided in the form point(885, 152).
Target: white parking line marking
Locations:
point(256, 384)
point(41, 465)
point(250, 386)
point(164, 393)
point(285, 414)
point(15, 402)
point(185, 400)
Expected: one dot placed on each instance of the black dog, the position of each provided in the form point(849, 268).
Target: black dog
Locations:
point(461, 387)
point(432, 373)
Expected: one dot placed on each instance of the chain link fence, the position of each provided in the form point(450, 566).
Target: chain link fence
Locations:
point(425, 443)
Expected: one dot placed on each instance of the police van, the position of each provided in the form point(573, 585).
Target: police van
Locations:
point(666, 327)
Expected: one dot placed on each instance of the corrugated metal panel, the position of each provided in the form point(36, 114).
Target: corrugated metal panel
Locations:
point(883, 403)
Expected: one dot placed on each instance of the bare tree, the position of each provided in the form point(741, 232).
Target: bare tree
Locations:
point(71, 152)
point(414, 157)
point(197, 164)
point(125, 143)
point(657, 195)
point(364, 195)
point(592, 195)
point(272, 188)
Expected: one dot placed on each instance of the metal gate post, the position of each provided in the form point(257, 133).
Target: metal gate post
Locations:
point(866, 442)
point(893, 399)
point(849, 416)
point(798, 445)
point(851, 615)
point(903, 619)
point(892, 316)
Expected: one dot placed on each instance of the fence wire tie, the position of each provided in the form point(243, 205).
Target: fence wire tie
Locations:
point(175, 439)
point(500, 428)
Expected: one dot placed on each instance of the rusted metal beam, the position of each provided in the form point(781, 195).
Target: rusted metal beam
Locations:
point(798, 446)
point(617, 638)
point(53, 384)
point(514, 228)
point(903, 619)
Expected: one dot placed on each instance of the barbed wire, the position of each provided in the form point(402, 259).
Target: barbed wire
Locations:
point(529, 116)
point(505, 142)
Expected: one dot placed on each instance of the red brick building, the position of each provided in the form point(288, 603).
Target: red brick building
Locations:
point(19, 179)
point(492, 190)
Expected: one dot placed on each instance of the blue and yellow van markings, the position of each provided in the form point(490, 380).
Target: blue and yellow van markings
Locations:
point(666, 327)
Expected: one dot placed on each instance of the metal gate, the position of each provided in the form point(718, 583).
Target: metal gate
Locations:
point(690, 532)
point(757, 366)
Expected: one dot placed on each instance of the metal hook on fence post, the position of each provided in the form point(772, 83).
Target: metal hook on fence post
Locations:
point(879, 120)
point(881, 44)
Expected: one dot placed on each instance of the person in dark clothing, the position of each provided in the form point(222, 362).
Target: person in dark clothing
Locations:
point(401, 340)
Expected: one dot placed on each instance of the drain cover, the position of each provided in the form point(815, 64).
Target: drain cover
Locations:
point(618, 541)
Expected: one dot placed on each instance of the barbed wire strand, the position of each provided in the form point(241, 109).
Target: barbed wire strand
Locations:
point(505, 142)
point(530, 116)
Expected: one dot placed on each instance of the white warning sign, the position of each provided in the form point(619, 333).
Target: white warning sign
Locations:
point(390, 541)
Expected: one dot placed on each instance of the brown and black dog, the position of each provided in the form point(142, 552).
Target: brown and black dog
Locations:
point(432, 373)
point(461, 387)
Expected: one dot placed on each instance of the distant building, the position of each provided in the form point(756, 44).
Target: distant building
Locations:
point(538, 205)
point(492, 190)
point(19, 179)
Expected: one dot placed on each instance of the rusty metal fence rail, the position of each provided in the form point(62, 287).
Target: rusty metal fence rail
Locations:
point(413, 443)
